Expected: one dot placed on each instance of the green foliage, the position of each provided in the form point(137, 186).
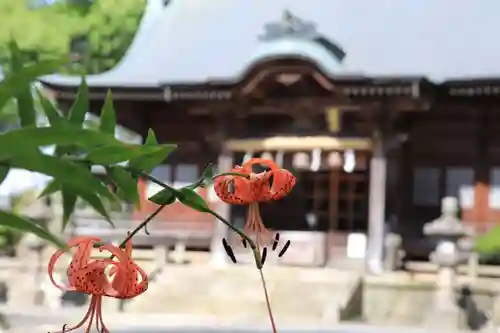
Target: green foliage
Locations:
point(77, 149)
point(187, 194)
point(107, 28)
point(489, 243)
point(110, 28)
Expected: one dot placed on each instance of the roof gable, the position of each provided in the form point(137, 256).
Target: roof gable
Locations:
point(198, 41)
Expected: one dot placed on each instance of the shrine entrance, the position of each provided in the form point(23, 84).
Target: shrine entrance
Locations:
point(337, 200)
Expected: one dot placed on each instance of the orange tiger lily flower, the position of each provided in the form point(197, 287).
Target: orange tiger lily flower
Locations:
point(124, 279)
point(269, 185)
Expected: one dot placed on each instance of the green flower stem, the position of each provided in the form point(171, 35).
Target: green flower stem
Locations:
point(237, 230)
point(250, 242)
point(140, 226)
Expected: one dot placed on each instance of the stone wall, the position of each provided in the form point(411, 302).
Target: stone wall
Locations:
point(410, 303)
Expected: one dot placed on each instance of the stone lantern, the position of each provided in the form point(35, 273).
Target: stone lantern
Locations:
point(447, 230)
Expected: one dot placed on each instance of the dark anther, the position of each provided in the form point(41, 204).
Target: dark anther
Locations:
point(229, 250)
point(276, 241)
point(146, 231)
point(64, 328)
point(231, 186)
point(244, 242)
point(283, 250)
point(263, 257)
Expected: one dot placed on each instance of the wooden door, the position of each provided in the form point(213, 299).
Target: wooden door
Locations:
point(351, 200)
point(338, 200)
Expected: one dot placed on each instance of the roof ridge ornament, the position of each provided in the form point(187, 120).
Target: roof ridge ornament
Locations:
point(291, 26)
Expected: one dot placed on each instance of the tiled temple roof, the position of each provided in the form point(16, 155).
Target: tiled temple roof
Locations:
point(199, 41)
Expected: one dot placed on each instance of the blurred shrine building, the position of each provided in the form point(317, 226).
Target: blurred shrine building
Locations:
point(380, 113)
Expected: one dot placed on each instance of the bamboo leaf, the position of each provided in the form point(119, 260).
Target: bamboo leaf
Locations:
point(52, 187)
point(81, 105)
point(64, 134)
point(15, 81)
point(107, 155)
point(21, 224)
point(69, 204)
point(23, 96)
point(49, 109)
point(148, 162)
point(63, 171)
point(126, 184)
point(96, 203)
point(4, 171)
point(108, 116)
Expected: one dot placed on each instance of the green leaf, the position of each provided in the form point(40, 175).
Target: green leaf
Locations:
point(63, 171)
point(18, 223)
point(96, 203)
point(107, 155)
point(190, 198)
point(126, 184)
point(208, 175)
point(81, 105)
point(23, 96)
point(68, 203)
point(164, 197)
point(15, 81)
point(4, 171)
point(52, 187)
point(64, 134)
point(91, 198)
point(148, 162)
point(49, 109)
point(108, 116)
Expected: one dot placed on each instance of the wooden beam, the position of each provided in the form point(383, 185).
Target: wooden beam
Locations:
point(294, 143)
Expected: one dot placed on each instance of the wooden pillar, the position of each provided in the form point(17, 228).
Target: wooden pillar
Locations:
point(220, 230)
point(482, 168)
point(376, 210)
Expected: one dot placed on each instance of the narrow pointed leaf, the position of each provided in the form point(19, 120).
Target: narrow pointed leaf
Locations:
point(52, 187)
point(164, 197)
point(49, 109)
point(96, 203)
point(108, 116)
point(23, 96)
point(15, 81)
point(69, 204)
point(107, 155)
point(148, 162)
point(126, 184)
point(208, 175)
point(21, 224)
point(4, 171)
point(190, 198)
point(81, 106)
point(64, 172)
point(62, 135)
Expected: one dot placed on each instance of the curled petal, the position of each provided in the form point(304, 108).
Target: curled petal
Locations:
point(93, 280)
point(52, 262)
point(247, 166)
point(125, 274)
point(127, 281)
point(276, 184)
point(235, 190)
point(80, 258)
